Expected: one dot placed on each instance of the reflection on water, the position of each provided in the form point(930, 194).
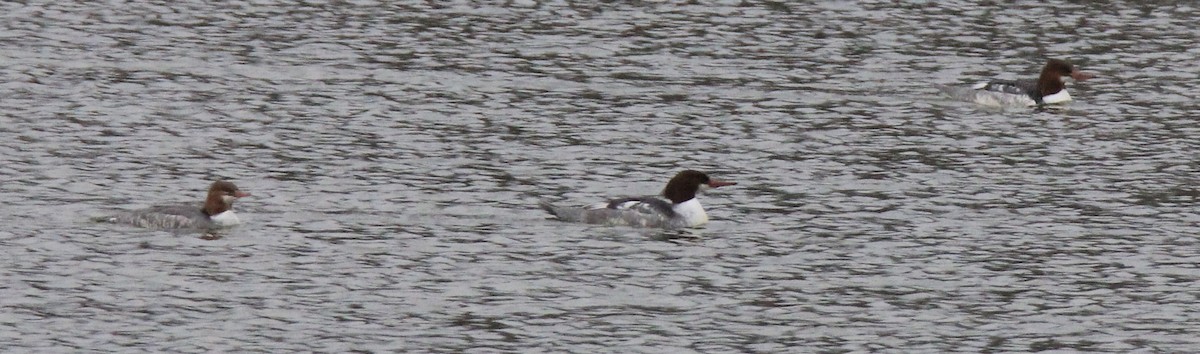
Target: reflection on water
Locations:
point(400, 150)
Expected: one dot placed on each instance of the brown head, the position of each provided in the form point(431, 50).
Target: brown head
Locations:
point(1051, 80)
point(221, 196)
point(683, 186)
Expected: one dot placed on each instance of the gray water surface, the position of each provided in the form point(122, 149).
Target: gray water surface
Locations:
point(396, 152)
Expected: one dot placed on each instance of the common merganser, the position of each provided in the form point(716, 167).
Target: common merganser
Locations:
point(1048, 89)
point(677, 207)
point(216, 212)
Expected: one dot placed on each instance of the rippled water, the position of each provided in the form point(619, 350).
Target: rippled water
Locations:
point(395, 153)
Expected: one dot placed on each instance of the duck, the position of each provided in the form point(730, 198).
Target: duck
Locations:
point(216, 212)
point(676, 207)
point(1049, 88)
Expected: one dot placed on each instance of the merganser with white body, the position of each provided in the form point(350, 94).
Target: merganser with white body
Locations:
point(677, 207)
point(217, 212)
point(1048, 89)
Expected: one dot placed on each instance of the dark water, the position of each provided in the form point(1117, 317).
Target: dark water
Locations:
point(395, 153)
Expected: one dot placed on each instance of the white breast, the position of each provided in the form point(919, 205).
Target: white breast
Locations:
point(226, 218)
point(692, 212)
point(1058, 97)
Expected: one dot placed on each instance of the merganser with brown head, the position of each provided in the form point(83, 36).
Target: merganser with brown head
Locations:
point(217, 212)
point(1049, 88)
point(677, 206)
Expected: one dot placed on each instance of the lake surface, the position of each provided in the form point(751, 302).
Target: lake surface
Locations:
point(396, 152)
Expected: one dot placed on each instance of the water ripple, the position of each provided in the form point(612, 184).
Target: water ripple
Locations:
point(394, 152)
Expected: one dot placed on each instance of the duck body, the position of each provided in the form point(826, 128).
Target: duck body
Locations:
point(1049, 88)
point(216, 212)
point(676, 207)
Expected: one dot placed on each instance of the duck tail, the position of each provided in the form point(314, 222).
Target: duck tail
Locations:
point(562, 213)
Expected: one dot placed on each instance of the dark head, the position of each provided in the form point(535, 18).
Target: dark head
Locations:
point(1051, 80)
point(683, 186)
point(221, 196)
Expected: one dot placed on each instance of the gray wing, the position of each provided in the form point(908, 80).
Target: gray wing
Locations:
point(648, 205)
point(164, 217)
point(982, 95)
point(633, 211)
point(1016, 87)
